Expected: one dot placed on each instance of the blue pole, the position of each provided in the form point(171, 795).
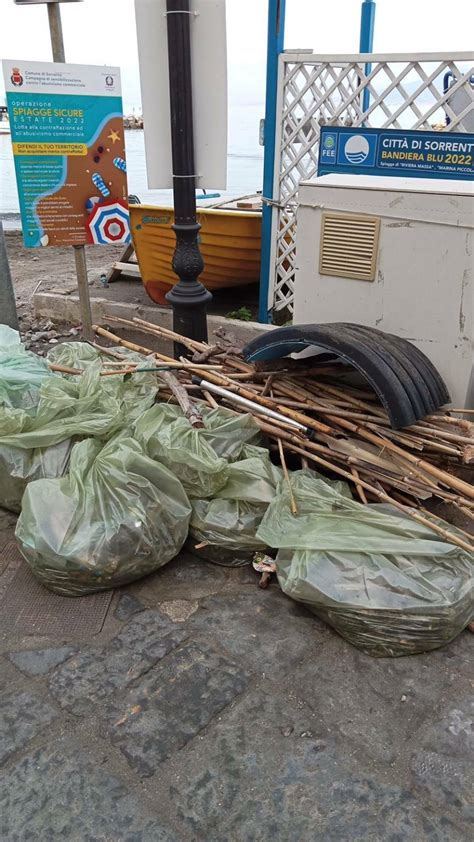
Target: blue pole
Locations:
point(275, 39)
point(366, 43)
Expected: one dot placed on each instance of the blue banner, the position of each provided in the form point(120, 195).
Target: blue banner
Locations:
point(396, 152)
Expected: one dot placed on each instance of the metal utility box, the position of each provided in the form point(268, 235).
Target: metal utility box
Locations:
point(395, 254)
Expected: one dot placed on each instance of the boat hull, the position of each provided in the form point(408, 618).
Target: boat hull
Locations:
point(229, 241)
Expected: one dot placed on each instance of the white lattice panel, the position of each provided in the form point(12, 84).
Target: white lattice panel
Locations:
point(406, 92)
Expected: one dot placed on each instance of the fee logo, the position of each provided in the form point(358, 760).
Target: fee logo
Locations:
point(328, 147)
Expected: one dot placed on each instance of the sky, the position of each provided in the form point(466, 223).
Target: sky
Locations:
point(103, 32)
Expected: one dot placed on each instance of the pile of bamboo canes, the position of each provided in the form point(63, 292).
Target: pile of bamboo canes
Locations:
point(310, 411)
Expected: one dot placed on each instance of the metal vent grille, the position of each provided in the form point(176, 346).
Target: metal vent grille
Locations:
point(349, 245)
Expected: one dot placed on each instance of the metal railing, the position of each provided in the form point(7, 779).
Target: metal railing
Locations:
point(372, 90)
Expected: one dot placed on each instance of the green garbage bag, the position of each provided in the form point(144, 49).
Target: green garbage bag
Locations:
point(228, 432)
point(134, 392)
point(227, 524)
point(197, 456)
point(21, 372)
point(18, 467)
point(387, 584)
point(85, 405)
point(116, 516)
point(168, 437)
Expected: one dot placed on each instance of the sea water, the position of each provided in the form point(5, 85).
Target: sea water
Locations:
point(244, 165)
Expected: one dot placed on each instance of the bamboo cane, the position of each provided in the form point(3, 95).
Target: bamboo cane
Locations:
point(212, 403)
point(293, 506)
point(447, 479)
point(147, 352)
point(358, 486)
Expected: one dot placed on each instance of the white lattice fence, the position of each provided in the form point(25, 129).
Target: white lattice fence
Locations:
point(406, 92)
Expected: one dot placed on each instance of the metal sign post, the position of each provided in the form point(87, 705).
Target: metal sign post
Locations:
point(57, 45)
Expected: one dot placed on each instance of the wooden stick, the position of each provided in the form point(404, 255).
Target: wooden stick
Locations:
point(293, 506)
point(65, 369)
point(157, 330)
point(358, 486)
point(210, 399)
point(147, 352)
point(189, 408)
point(108, 352)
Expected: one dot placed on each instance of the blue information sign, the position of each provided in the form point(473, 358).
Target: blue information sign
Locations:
point(417, 154)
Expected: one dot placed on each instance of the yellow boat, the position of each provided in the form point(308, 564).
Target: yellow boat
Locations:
point(229, 242)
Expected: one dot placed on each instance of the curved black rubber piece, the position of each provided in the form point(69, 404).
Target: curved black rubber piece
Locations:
point(407, 384)
point(431, 375)
point(380, 375)
point(427, 373)
point(384, 352)
point(420, 395)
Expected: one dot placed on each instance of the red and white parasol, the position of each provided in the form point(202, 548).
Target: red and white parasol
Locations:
point(109, 223)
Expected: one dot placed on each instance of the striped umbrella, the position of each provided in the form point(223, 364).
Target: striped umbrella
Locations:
point(109, 223)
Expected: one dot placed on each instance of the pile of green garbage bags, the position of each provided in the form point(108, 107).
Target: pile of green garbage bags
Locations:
point(384, 582)
point(110, 485)
point(106, 480)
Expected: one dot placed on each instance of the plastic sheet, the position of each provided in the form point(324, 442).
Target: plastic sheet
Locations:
point(21, 372)
point(384, 582)
point(228, 523)
point(199, 457)
point(116, 516)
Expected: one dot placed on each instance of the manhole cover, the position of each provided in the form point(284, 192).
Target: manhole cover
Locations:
point(27, 607)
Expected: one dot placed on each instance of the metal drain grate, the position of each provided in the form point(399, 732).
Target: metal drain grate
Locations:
point(26, 607)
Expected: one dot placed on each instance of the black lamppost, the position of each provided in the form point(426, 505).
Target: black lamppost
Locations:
point(188, 297)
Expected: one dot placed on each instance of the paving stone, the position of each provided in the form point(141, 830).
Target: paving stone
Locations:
point(250, 782)
point(267, 631)
point(386, 700)
point(50, 796)
point(127, 606)
point(22, 716)
point(179, 610)
point(442, 767)
point(171, 704)
point(187, 577)
point(41, 661)
point(96, 673)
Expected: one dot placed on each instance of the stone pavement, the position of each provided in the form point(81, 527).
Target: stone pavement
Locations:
point(207, 710)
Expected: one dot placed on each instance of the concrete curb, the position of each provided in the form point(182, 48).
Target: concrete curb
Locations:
point(65, 308)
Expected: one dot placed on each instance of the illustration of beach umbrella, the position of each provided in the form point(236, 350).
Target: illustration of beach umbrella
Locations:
point(109, 223)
